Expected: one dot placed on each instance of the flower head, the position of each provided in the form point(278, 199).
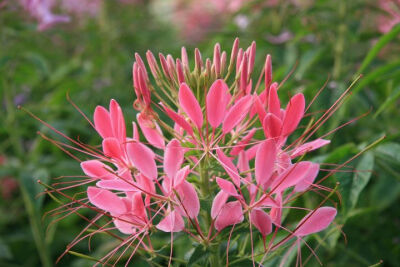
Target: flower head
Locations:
point(222, 140)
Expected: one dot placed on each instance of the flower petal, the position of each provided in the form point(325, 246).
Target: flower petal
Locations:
point(102, 122)
point(316, 221)
point(217, 100)
point(117, 121)
point(190, 105)
point(261, 221)
point(218, 203)
point(173, 222)
point(189, 199)
point(291, 176)
point(97, 170)
point(105, 200)
point(178, 119)
point(274, 104)
point(294, 113)
point(151, 131)
point(112, 148)
point(229, 167)
point(230, 214)
point(309, 146)
point(265, 161)
point(143, 159)
point(272, 126)
point(227, 187)
point(173, 158)
point(237, 113)
point(309, 179)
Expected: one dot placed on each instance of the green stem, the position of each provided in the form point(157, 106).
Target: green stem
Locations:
point(215, 260)
point(204, 178)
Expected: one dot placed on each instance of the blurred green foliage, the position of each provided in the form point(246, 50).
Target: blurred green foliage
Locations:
point(331, 41)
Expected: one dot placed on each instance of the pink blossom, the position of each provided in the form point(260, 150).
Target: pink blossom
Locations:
point(225, 144)
point(391, 15)
point(42, 11)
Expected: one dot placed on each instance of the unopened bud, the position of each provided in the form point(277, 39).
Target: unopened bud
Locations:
point(268, 72)
point(234, 53)
point(151, 60)
point(179, 71)
point(197, 60)
point(217, 60)
point(239, 60)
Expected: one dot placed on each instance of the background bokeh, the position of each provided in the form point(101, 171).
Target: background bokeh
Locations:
point(85, 49)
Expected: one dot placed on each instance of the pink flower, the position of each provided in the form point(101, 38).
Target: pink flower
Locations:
point(391, 16)
point(42, 11)
point(82, 8)
point(226, 144)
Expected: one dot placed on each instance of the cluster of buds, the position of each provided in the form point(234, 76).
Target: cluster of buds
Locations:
point(204, 141)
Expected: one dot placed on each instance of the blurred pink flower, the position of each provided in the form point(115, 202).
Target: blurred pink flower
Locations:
point(391, 15)
point(82, 7)
point(42, 11)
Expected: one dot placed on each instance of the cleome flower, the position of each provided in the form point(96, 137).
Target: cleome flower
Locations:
point(208, 151)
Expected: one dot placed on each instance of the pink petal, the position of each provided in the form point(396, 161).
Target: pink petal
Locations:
point(189, 199)
point(173, 158)
point(309, 179)
point(291, 176)
point(97, 170)
point(237, 113)
point(145, 184)
point(304, 148)
point(272, 126)
point(294, 113)
point(105, 200)
point(316, 221)
point(259, 108)
point(229, 167)
point(138, 208)
point(117, 121)
point(241, 145)
point(151, 131)
point(178, 119)
point(252, 151)
point(102, 122)
point(261, 221)
point(181, 176)
point(116, 184)
point(143, 159)
point(124, 224)
point(227, 187)
point(218, 203)
point(112, 148)
point(231, 213)
point(173, 222)
point(274, 104)
point(135, 132)
point(190, 105)
point(265, 161)
point(217, 100)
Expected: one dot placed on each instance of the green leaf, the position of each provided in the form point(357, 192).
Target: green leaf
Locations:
point(361, 178)
point(5, 252)
point(389, 152)
point(389, 101)
point(384, 40)
point(199, 254)
point(378, 72)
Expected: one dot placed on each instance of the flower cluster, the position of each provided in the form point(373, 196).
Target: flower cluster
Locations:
point(43, 10)
point(198, 138)
point(390, 15)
